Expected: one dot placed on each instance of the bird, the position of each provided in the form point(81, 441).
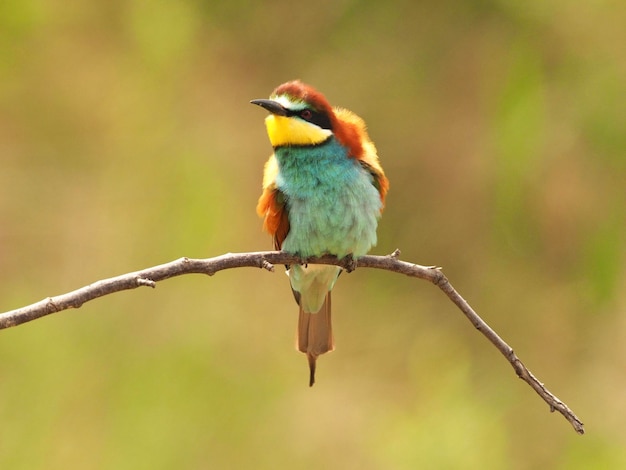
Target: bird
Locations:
point(323, 193)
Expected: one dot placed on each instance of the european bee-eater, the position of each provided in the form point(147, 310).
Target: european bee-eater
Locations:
point(323, 193)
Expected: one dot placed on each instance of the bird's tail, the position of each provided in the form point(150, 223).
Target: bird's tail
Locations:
point(315, 335)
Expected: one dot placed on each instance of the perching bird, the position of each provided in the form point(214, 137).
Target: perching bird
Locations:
point(323, 192)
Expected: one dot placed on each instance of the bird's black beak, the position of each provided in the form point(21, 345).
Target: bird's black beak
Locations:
point(273, 107)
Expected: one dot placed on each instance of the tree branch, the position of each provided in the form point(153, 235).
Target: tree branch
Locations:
point(266, 260)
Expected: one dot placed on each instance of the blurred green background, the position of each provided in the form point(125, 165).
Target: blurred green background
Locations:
point(127, 140)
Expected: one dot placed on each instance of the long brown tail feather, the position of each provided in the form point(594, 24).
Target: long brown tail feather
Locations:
point(315, 335)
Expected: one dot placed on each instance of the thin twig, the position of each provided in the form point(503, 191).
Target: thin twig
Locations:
point(266, 260)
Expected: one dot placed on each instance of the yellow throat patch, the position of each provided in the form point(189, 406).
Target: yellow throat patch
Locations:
point(283, 130)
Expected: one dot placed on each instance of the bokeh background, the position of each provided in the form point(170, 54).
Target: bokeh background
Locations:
point(127, 140)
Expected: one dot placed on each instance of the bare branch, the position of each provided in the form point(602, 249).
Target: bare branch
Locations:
point(266, 260)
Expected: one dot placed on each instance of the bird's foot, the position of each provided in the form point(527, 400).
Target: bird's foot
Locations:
point(349, 263)
point(302, 260)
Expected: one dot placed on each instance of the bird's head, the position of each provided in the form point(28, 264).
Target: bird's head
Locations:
point(299, 115)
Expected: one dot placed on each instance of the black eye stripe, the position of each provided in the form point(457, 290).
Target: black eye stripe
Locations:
point(319, 119)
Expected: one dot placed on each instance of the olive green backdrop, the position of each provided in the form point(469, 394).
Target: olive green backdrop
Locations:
point(127, 140)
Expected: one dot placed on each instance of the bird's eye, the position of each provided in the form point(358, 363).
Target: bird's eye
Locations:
point(306, 114)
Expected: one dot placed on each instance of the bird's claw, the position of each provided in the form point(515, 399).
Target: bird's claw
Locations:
point(303, 260)
point(349, 263)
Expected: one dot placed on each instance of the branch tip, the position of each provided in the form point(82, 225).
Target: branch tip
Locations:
point(265, 264)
